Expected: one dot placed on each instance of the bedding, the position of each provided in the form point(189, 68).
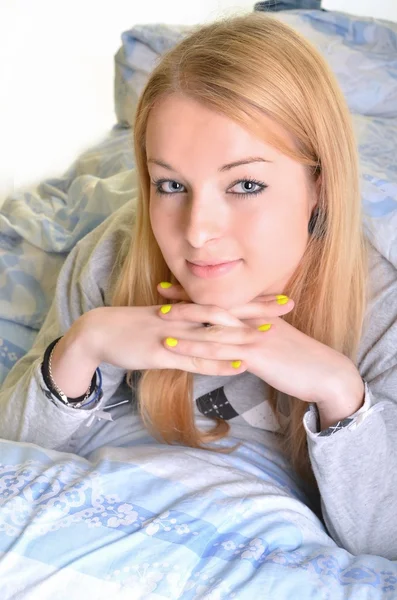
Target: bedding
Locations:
point(172, 522)
point(169, 523)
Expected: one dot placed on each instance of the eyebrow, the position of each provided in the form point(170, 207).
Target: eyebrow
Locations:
point(237, 163)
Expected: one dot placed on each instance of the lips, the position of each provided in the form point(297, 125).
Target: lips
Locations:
point(213, 263)
point(206, 271)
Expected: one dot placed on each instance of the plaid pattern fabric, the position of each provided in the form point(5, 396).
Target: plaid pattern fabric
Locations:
point(311, 418)
point(241, 400)
point(246, 403)
point(216, 404)
point(334, 428)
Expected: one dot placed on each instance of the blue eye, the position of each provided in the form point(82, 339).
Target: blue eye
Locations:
point(250, 187)
point(175, 187)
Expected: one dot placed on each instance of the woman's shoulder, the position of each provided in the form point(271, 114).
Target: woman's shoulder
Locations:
point(382, 280)
point(98, 255)
point(115, 228)
point(379, 335)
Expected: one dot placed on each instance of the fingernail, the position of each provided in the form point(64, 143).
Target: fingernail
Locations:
point(165, 285)
point(171, 342)
point(281, 299)
point(236, 364)
point(264, 327)
point(166, 308)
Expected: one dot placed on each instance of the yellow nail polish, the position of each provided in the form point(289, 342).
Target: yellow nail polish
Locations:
point(281, 299)
point(264, 327)
point(165, 285)
point(171, 342)
point(236, 364)
point(166, 308)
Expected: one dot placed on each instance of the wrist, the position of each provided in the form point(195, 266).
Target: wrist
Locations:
point(345, 400)
point(87, 333)
point(72, 369)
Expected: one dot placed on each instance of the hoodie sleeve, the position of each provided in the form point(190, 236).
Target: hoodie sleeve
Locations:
point(27, 413)
point(355, 461)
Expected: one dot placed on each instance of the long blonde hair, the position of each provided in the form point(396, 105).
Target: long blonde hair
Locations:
point(247, 68)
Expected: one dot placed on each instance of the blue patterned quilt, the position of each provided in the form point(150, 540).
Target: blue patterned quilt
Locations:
point(134, 522)
point(169, 523)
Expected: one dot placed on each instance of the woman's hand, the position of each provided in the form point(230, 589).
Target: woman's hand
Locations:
point(280, 354)
point(132, 338)
point(260, 307)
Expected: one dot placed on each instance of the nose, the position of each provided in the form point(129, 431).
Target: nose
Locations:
point(205, 220)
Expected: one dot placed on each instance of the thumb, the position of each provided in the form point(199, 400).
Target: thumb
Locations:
point(172, 291)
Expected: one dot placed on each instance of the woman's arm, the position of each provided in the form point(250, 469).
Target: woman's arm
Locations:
point(27, 413)
point(356, 465)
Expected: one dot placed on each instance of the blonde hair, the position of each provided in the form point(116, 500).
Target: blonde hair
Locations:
point(256, 70)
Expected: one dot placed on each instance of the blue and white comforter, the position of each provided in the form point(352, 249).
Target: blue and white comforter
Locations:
point(169, 523)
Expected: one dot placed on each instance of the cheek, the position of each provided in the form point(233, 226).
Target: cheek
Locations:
point(279, 223)
point(277, 238)
point(158, 222)
point(163, 227)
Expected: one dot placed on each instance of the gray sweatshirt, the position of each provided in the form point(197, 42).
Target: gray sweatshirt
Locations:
point(355, 466)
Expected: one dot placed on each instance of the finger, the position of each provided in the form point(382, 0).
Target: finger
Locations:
point(268, 297)
point(203, 366)
point(260, 310)
point(218, 342)
point(223, 335)
point(256, 323)
point(199, 313)
point(172, 291)
point(202, 363)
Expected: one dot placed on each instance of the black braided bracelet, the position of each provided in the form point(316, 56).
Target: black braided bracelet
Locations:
point(48, 381)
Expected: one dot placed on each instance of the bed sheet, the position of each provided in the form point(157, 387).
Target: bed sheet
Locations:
point(169, 523)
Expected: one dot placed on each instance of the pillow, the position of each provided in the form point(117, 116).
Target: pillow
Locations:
point(361, 52)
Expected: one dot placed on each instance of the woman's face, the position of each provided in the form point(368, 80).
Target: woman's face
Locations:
point(219, 194)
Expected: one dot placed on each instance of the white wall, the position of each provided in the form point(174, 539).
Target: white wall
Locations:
point(380, 9)
point(56, 73)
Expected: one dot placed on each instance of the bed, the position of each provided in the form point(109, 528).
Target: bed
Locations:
point(172, 522)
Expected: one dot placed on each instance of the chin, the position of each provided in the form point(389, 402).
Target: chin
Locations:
point(222, 299)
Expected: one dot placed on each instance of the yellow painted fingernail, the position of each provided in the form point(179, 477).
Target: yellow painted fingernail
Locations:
point(166, 308)
point(236, 364)
point(281, 299)
point(171, 342)
point(264, 327)
point(165, 285)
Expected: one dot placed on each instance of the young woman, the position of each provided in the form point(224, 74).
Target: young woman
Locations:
point(279, 320)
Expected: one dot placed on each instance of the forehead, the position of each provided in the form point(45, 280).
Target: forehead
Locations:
point(183, 128)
